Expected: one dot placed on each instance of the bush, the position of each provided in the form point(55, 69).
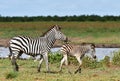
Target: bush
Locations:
point(72, 60)
point(11, 75)
point(87, 62)
point(57, 57)
point(54, 58)
point(106, 61)
point(90, 63)
point(116, 58)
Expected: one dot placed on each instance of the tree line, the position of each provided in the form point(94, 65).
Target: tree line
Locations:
point(59, 18)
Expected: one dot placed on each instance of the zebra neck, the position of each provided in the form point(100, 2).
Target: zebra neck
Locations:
point(85, 49)
point(51, 41)
point(50, 38)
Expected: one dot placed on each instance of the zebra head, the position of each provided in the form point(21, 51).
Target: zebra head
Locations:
point(59, 35)
point(92, 50)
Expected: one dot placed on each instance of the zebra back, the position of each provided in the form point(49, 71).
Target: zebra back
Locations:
point(73, 49)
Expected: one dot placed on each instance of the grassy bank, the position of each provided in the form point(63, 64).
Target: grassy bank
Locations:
point(92, 70)
point(96, 32)
point(28, 73)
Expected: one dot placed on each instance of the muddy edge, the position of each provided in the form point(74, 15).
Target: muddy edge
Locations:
point(5, 43)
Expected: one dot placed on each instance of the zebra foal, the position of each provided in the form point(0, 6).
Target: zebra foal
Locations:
point(77, 51)
point(37, 46)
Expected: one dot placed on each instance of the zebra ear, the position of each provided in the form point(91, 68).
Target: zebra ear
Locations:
point(57, 27)
point(93, 45)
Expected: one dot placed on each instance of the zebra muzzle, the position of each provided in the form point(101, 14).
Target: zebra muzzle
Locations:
point(94, 57)
point(66, 40)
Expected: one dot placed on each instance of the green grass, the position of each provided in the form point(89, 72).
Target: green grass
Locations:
point(116, 58)
point(11, 75)
point(28, 72)
point(96, 32)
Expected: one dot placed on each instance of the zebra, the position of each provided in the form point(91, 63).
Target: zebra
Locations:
point(77, 51)
point(35, 46)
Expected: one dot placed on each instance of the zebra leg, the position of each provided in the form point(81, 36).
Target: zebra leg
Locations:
point(80, 63)
point(65, 59)
point(40, 62)
point(14, 58)
point(14, 64)
point(62, 61)
point(66, 63)
point(45, 56)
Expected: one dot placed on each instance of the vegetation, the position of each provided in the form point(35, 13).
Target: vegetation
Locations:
point(55, 58)
point(58, 18)
point(95, 32)
point(91, 70)
point(106, 61)
point(90, 63)
point(87, 61)
point(107, 31)
point(116, 58)
point(11, 75)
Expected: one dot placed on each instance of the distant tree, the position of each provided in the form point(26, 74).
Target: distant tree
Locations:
point(59, 18)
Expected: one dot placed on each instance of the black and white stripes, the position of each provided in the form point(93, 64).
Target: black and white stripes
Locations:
point(36, 46)
point(77, 51)
point(73, 49)
point(28, 45)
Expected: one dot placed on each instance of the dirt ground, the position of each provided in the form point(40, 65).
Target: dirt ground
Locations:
point(4, 42)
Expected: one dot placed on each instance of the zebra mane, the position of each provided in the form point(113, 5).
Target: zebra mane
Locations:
point(56, 26)
point(92, 44)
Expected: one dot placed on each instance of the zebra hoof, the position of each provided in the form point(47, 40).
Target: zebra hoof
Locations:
point(16, 69)
point(79, 71)
point(75, 71)
point(38, 70)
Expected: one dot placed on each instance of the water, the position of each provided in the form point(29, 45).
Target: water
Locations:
point(100, 52)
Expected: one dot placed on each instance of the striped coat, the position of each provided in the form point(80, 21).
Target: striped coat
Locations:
point(77, 51)
point(37, 46)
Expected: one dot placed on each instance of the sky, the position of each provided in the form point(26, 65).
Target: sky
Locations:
point(59, 7)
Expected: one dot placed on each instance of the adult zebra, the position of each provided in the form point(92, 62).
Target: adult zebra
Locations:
point(77, 51)
point(37, 46)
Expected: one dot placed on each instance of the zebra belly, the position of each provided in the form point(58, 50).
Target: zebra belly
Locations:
point(34, 52)
point(74, 53)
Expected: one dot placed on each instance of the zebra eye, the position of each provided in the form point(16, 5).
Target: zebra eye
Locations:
point(60, 33)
